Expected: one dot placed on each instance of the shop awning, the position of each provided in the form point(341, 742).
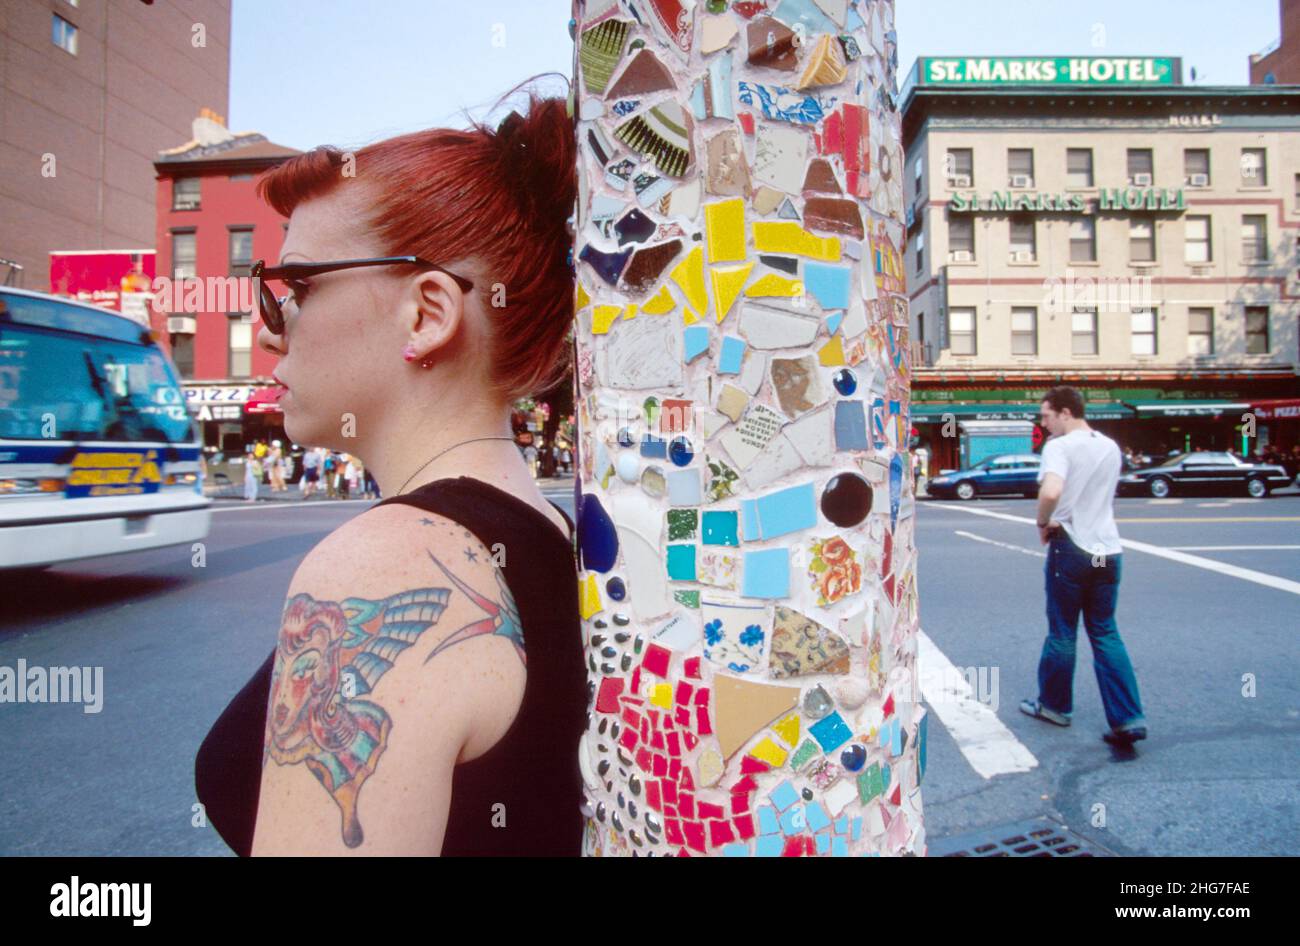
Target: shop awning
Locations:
point(1187, 408)
point(932, 413)
point(1277, 409)
point(264, 401)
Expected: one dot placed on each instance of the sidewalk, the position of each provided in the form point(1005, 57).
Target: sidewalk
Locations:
point(292, 495)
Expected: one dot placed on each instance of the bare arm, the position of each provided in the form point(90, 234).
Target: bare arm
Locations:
point(399, 643)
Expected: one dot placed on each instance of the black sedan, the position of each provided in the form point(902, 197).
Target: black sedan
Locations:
point(1204, 472)
point(1008, 473)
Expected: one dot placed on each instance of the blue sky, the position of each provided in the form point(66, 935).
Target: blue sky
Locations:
point(342, 72)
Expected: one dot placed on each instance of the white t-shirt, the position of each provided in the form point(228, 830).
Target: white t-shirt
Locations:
point(1089, 462)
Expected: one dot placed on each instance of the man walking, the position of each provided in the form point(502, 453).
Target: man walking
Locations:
point(1076, 520)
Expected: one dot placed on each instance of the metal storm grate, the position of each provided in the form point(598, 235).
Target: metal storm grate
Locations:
point(1034, 837)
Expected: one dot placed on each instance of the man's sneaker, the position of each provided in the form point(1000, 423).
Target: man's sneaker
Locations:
point(1124, 737)
point(1039, 711)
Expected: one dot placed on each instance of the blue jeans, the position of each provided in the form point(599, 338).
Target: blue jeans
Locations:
point(1074, 585)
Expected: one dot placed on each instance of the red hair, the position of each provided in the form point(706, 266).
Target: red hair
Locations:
point(503, 196)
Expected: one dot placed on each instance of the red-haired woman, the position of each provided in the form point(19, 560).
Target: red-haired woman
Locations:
point(428, 690)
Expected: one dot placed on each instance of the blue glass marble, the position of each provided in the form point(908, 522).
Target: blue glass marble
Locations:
point(680, 452)
point(616, 589)
point(845, 381)
point(625, 438)
point(597, 539)
point(853, 758)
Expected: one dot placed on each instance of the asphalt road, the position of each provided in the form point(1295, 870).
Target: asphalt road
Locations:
point(1218, 774)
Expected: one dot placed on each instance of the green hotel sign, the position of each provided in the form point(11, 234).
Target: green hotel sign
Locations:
point(1049, 70)
point(1108, 198)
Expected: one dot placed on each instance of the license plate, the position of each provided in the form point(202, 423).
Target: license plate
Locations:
point(137, 525)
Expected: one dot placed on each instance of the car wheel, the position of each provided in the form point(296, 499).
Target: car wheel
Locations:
point(1159, 487)
point(966, 490)
point(1257, 488)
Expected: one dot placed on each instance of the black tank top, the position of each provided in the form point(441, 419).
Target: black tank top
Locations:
point(532, 770)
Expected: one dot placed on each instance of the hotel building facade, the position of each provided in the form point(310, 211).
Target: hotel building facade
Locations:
point(1094, 222)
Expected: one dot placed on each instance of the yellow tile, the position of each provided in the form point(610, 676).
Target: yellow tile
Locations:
point(661, 303)
point(832, 353)
point(603, 316)
point(663, 695)
point(725, 224)
point(588, 597)
point(786, 236)
point(582, 299)
point(689, 275)
point(630, 311)
point(732, 401)
point(788, 729)
point(774, 285)
point(769, 752)
point(727, 283)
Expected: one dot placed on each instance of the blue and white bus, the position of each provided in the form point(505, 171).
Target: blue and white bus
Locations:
point(98, 454)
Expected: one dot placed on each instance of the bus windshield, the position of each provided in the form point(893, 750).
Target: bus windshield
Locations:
point(67, 386)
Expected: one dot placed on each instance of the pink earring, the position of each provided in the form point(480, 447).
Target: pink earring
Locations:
point(408, 352)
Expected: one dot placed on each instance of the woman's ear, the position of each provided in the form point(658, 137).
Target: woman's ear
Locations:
point(436, 310)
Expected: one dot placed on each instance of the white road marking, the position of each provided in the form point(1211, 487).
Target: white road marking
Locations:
point(1164, 502)
point(1230, 548)
point(1233, 571)
point(1015, 548)
point(1210, 505)
point(284, 503)
point(988, 745)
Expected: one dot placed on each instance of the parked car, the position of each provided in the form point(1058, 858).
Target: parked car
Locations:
point(1203, 471)
point(1007, 473)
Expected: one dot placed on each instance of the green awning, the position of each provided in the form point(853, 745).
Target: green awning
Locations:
point(931, 412)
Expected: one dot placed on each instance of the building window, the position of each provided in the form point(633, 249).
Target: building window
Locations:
point(241, 250)
point(920, 250)
point(1297, 193)
point(1020, 167)
point(1196, 232)
point(1024, 331)
point(918, 176)
point(183, 253)
point(960, 167)
point(1083, 332)
point(1078, 167)
point(64, 34)
point(1023, 249)
point(1200, 331)
point(1256, 330)
point(1254, 238)
point(1144, 332)
point(185, 193)
point(1083, 240)
point(1141, 167)
point(183, 354)
point(241, 346)
point(961, 240)
point(1142, 241)
point(1254, 168)
point(961, 331)
point(1196, 167)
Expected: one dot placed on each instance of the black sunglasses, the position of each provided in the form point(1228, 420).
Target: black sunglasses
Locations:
point(269, 305)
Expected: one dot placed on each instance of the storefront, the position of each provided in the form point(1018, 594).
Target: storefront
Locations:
point(234, 415)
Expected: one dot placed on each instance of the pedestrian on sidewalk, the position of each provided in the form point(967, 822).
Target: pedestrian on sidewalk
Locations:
point(310, 471)
point(252, 474)
point(530, 457)
point(274, 467)
point(1078, 476)
point(330, 466)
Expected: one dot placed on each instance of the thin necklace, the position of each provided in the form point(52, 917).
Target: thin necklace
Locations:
point(440, 453)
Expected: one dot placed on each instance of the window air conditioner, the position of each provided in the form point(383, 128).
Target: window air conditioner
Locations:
point(959, 180)
point(1021, 180)
point(180, 325)
point(1199, 180)
point(962, 256)
point(1141, 180)
point(1022, 256)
